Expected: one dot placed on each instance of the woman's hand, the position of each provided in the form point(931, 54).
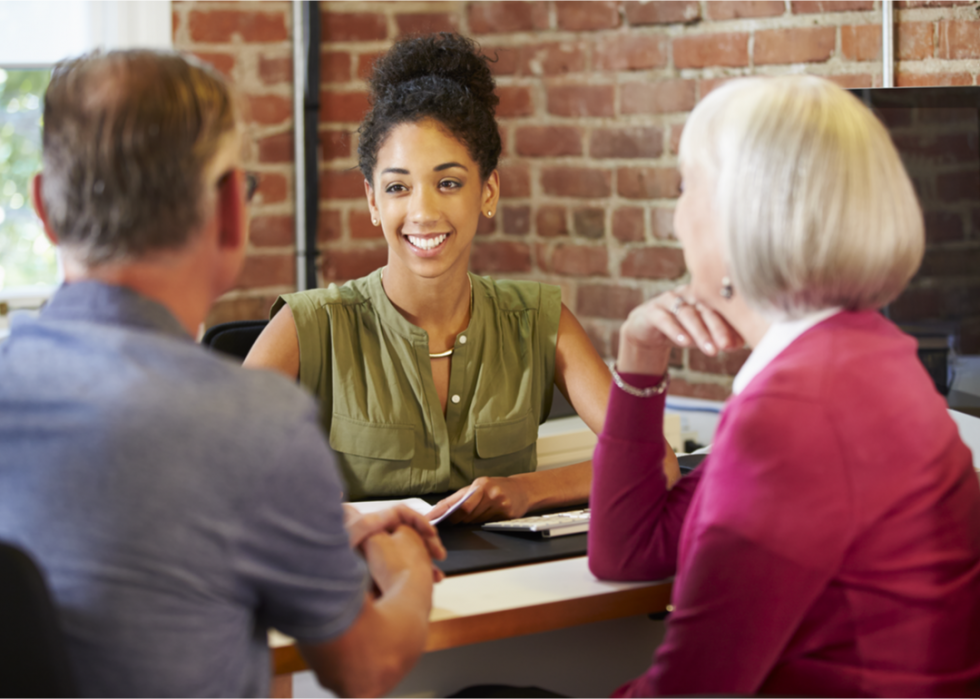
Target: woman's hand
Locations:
point(361, 527)
point(671, 319)
point(492, 499)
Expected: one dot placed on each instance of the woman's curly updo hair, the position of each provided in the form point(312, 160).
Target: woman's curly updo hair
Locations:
point(439, 76)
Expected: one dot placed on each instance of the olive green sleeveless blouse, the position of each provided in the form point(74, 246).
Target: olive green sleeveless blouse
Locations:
point(370, 369)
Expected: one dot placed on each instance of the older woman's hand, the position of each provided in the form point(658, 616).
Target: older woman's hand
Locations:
point(671, 319)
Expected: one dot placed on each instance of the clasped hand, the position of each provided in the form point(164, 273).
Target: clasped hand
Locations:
point(417, 539)
point(668, 320)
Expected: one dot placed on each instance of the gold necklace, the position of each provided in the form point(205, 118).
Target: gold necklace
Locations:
point(448, 352)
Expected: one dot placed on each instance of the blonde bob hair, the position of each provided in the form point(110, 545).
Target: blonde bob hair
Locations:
point(814, 207)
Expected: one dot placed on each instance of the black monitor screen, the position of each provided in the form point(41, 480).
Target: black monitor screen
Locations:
point(937, 133)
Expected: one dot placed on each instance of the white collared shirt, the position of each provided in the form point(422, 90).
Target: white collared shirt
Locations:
point(778, 337)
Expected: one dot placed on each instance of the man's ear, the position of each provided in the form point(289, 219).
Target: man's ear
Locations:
point(232, 217)
point(42, 213)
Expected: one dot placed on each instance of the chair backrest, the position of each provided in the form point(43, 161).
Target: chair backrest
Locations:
point(235, 338)
point(33, 653)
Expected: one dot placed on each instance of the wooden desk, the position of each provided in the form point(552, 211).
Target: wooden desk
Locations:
point(507, 603)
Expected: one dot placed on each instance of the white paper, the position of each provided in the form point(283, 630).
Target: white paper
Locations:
point(417, 504)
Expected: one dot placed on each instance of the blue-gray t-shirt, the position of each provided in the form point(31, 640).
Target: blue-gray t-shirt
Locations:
point(178, 505)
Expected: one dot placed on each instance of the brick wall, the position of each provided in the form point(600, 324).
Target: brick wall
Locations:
point(593, 99)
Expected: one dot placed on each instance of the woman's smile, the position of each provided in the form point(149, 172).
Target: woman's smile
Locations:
point(427, 243)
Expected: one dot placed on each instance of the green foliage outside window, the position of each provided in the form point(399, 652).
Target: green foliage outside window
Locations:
point(26, 256)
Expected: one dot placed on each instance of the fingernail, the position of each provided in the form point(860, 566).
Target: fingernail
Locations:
point(708, 347)
point(681, 338)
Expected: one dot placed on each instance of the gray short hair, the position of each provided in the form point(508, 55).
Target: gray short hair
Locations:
point(814, 205)
point(127, 136)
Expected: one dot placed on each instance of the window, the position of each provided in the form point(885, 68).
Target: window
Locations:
point(33, 37)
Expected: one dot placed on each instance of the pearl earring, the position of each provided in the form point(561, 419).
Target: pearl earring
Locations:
point(727, 290)
point(374, 221)
point(490, 214)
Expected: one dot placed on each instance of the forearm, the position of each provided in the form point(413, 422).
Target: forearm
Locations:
point(556, 487)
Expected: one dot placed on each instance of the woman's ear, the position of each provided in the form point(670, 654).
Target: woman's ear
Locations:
point(491, 194)
point(372, 204)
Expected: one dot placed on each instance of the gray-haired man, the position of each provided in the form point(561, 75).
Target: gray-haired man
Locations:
point(179, 505)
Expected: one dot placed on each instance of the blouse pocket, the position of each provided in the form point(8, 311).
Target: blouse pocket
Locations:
point(506, 448)
point(375, 459)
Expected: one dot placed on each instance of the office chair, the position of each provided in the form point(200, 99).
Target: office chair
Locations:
point(32, 649)
point(235, 338)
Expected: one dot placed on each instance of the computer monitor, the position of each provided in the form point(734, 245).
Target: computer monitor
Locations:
point(937, 133)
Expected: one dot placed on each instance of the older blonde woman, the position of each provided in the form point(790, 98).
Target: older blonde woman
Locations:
point(830, 544)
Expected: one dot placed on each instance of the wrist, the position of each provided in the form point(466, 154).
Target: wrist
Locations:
point(633, 358)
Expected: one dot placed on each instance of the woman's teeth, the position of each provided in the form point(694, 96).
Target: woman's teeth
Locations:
point(426, 243)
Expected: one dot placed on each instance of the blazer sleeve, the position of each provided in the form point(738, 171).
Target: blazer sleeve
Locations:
point(636, 522)
point(770, 529)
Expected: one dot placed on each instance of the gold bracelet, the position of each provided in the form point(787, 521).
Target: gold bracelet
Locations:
point(640, 392)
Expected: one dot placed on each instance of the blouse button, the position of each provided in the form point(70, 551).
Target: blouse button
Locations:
point(455, 399)
point(462, 339)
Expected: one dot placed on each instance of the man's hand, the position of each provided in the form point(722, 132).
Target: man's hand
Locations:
point(492, 499)
point(391, 557)
point(361, 527)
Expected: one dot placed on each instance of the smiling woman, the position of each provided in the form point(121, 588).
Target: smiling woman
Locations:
point(431, 378)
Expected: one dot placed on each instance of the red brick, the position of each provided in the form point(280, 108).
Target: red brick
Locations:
point(912, 4)
point(341, 265)
point(328, 225)
point(343, 184)
point(943, 226)
point(675, 138)
point(942, 79)
point(581, 100)
point(551, 221)
point(277, 148)
point(240, 308)
point(589, 223)
point(174, 23)
point(275, 70)
point(353, 26)
point(252, 26)
point(806, 45)
point(704, 50)
point(541, 141)
point(506, 17)
point(653, 263)
point(585, 183)
point(490, 257)
point(649, 182)
point(349, 107)
point(914, 40)
point(514, 102)
point(273, 188)
point(706, 85)
point(587, 15)
point(861, 43)
point(516, 219)
point(426, 23)
point(853, 80)
point(662, 223)
point(660, 97)
point(267, 270)
point(515, 181)
point(580, 260)
point(738, 9)
point(631, 52)
point(365, 64)
point(704, 391)
point(662, 12)
point(959, 40)
point(628, 225)
point(221, 62)
point(606, 301)
point(632, 142)
point(600, 335)
point(553, 59)
point(727, 363)
point(504, 60)
point(335, 67)
point(809, 7)
point(335, 144)
point(360, 226)
point(269, 109)
point(271, 231)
